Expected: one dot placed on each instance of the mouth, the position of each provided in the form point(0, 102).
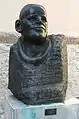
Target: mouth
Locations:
point(39, 28)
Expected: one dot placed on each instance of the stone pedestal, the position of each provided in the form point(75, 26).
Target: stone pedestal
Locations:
point(15, 109)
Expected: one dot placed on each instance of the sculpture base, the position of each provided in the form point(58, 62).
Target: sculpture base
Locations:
point(15, 109)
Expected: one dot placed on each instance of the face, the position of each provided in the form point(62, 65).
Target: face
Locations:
point(34, 22)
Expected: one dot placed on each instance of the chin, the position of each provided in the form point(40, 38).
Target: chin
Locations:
point(38, 34)
point(39, 37)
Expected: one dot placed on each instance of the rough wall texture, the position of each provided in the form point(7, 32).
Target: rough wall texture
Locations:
point(73, 69)
point(8, 37)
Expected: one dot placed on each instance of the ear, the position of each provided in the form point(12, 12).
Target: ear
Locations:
point(18, 26)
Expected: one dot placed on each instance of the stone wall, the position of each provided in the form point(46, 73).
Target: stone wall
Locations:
point(8, 37)
point(73, 69)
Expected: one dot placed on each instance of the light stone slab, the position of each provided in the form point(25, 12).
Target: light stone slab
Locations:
point(15, 109)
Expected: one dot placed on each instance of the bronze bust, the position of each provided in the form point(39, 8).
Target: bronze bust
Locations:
point(35, 67)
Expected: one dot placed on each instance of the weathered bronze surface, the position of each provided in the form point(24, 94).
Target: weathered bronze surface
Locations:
point(37, 63)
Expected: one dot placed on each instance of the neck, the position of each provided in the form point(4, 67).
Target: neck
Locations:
point(34, 41)
point(34, 50)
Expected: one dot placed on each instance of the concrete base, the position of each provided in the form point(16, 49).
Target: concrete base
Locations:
point(15, 109)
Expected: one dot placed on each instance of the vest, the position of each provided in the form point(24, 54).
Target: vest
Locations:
point(37, 80)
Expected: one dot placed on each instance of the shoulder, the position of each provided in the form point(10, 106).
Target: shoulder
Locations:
point(58, 37)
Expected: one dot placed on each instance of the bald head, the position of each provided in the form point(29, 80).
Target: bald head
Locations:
point(31, 9)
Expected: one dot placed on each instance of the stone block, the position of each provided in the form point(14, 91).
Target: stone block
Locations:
point(15, 109)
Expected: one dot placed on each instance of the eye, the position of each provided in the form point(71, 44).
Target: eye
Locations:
point(32, 17)
point(43, 18)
